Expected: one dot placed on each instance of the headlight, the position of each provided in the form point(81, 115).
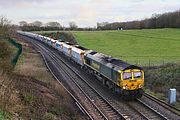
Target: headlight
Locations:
point(140, 86)
point(125, 87)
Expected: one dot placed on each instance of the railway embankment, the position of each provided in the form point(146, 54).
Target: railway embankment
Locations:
point(30, 92)
point(7, 55)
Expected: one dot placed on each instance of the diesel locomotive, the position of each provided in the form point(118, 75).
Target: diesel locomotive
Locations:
point(121, 77)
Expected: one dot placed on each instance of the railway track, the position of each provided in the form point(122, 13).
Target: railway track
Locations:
point(108, 106)
point(128, 112)
point(80, 106)
point(102, 109)
point(75, 99)
point(79, 92)
point(163, 103)
point(148, 112)
point(161, 107)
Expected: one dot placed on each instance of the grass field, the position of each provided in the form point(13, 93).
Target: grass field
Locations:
point(144, 47)
point(147, 47)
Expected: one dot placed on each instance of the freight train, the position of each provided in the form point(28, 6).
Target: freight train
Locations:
point(121, 77)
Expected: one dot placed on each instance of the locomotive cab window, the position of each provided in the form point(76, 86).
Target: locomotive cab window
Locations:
point(137, 75)
point(127, 75)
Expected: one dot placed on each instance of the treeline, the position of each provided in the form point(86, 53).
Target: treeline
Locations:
point(49, 28)
point(35, 28)
point(39, 26)
point(53, 25)
point(166, 20)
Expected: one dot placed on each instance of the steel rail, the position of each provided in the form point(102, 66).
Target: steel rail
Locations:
point(97, 109)
point(153, 110)
point(79, 105)
point(58, 58)
point(163, 103)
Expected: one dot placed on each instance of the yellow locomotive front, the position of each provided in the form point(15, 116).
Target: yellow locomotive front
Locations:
point(132, 81)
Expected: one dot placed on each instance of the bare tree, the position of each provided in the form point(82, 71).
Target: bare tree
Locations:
point(37, 23)
point(23, 23)
point(4, 21)
point(4, 26)
point(73, 26)
point(54, 24)
point(101, 25)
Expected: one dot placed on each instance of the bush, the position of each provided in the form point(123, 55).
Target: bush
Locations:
point(49, 116)
point(162, 78)
point(65, 36)
point(5, 56)
point(27, 98)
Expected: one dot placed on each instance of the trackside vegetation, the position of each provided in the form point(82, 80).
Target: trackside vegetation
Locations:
point(158, 80)
point(4, 115)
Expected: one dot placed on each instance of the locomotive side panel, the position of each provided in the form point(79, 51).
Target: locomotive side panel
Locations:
point(110, 73)
point(106, 71)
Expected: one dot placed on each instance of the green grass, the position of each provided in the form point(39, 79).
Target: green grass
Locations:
point(1, 115)
point(27, 98)
point(144, 47)
point(5, 115)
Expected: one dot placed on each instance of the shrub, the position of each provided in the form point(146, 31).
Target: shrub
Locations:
point(27, 98)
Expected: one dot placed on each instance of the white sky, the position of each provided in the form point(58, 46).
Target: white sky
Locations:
point(84, 12)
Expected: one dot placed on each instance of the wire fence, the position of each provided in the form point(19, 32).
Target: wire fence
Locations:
point(19, 47)
point(150, 61)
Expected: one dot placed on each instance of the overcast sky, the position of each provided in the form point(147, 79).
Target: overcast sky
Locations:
point(84, 12)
